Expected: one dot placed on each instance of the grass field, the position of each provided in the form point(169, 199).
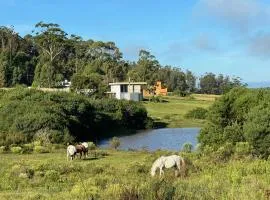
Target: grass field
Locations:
point(172, 111)
point(125, 175)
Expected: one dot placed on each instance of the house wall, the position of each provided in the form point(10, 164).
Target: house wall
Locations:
point(134, 88)
point(116, 89)
point(134, 92)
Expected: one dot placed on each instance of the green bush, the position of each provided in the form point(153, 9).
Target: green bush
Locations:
point(197, 113)
point(29, 114)
point(3, 149)
point(156, 99)
point(224, 152)
point(242, 115)
point(91, 146)
point(41, 149)
point(242, 148)
point(52, 175)
point(28, 148)
point(187, 147)
point(16, 149)
point(115, 143)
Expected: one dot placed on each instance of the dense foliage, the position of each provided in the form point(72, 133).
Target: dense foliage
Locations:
point(242, 115)
point(197, 113)
point(28, 114)
point(49, 56)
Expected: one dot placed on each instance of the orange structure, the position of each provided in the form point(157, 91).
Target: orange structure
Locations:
point(158, 90)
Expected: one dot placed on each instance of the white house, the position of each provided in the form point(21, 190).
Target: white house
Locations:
point(127, 90)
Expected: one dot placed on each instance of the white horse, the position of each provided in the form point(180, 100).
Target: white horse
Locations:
point(168, 162)
point(85, 144)
point(71, 152)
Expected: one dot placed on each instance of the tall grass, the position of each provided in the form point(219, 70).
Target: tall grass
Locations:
point(125, 175)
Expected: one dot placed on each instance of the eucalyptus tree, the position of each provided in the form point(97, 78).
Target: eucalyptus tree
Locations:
point(51, 40)
point(190, 81)
point(17, 58)
point(146, 68)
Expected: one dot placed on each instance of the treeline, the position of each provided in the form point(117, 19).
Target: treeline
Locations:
point(28, 115)
point(239, 122)
point(49, 56)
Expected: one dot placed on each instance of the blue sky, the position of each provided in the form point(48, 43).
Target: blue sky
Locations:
point(221, 36)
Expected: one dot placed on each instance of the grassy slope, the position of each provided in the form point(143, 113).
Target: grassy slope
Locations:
point(172, 112)
point(122, 174)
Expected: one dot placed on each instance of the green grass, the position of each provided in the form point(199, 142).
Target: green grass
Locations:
point(173, 110)
point(125, 175)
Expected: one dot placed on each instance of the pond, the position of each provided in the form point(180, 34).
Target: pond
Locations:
point(165, 138)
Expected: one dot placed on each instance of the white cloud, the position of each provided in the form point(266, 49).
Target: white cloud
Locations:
point(243, 15)
point(205, 43)
point(259, 45)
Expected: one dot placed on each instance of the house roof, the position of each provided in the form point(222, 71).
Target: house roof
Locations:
point(128, 83)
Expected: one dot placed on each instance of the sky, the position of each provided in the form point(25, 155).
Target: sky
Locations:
point(231, 37)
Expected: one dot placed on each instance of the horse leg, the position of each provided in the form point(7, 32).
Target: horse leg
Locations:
point(178, 167)
point(161, 172)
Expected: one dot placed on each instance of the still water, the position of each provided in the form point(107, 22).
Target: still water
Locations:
point(165, 138)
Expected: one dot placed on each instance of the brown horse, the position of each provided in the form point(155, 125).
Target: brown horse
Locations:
point(81, 150)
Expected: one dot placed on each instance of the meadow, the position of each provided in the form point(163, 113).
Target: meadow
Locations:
point(173, 109)
point(111, 175)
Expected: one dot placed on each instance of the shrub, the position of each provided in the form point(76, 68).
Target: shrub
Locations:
point(28, 148)
point(41, 149)
point(156, 99)
point(242, 148)
point(16, 149)
point(29, 114)
point(3, 149)
point(115, 143)
point(91, 146)
point(14, 138)
point(224, 152)
point(52, 175)
point(187, 147)
point(197, 113)
point(242, 115)
point(42, 136)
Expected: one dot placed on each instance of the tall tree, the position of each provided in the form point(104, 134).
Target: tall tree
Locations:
point(146, 68)
point(51, 40)
point(191, 81)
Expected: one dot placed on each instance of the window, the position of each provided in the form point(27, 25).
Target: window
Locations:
point(124, 88)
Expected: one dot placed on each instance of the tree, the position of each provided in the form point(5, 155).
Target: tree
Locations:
point(51, 40)
point(146, 68)
point(17, 56)
point(208, 84)
point(191, 81)
point(114, 142)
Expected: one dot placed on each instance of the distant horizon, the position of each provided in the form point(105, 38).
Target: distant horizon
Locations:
point(258, 84)
point(224, 37)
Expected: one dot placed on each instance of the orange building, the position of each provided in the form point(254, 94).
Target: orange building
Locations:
point(157, 90)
